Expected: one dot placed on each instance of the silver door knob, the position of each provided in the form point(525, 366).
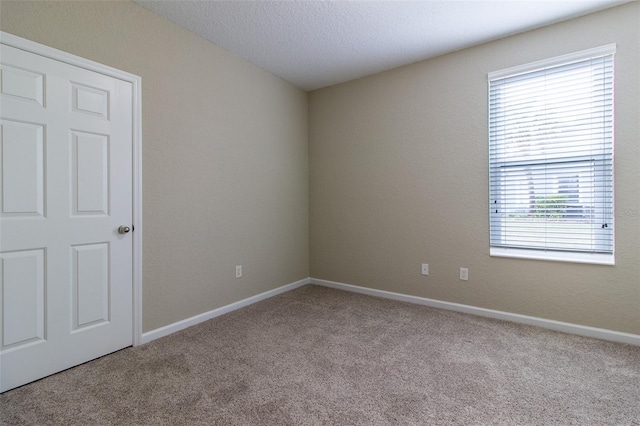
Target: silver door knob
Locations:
point(124, 229)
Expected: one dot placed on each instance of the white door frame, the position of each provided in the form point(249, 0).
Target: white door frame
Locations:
point(58, 55)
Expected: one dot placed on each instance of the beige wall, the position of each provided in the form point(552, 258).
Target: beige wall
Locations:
point(225, 178)
point(398, 172)
point(398, 167)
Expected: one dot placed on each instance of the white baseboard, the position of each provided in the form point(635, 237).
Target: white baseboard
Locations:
point(181, 325)
point(565, 327)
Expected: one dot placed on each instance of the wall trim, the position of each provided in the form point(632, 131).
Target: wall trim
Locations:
point(136, 139)
point(565, 327)
point(197, 319)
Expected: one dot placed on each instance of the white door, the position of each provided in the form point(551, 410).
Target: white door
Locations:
point(66, 188)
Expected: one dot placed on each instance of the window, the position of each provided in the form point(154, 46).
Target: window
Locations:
point(551, 159)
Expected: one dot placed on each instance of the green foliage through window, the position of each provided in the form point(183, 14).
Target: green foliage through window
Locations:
point(550, 206)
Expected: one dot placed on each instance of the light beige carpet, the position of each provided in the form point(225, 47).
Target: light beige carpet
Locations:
point(321, 356)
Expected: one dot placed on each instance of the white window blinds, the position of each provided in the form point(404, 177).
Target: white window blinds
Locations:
point(551, 154)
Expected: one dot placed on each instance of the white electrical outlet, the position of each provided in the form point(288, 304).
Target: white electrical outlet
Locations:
point(238, 271)
point(464, 274)
point(425, 269)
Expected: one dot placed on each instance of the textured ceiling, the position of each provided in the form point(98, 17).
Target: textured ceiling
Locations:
point(315, 44)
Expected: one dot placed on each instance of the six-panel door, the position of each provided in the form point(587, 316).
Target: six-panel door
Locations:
point(66, 187)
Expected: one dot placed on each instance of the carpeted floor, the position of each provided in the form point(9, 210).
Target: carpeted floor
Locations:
point(321, 356)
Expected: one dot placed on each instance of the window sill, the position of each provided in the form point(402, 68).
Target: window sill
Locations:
point(555, 256)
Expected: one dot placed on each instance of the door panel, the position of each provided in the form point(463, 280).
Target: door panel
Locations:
point(23, 84)
point(90, 270)
point(90, 100)
point(22, 169)
point(22, 298)
point(66, 180)
point(90, 169)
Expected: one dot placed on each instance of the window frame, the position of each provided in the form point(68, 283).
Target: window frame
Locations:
point(541, 253)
